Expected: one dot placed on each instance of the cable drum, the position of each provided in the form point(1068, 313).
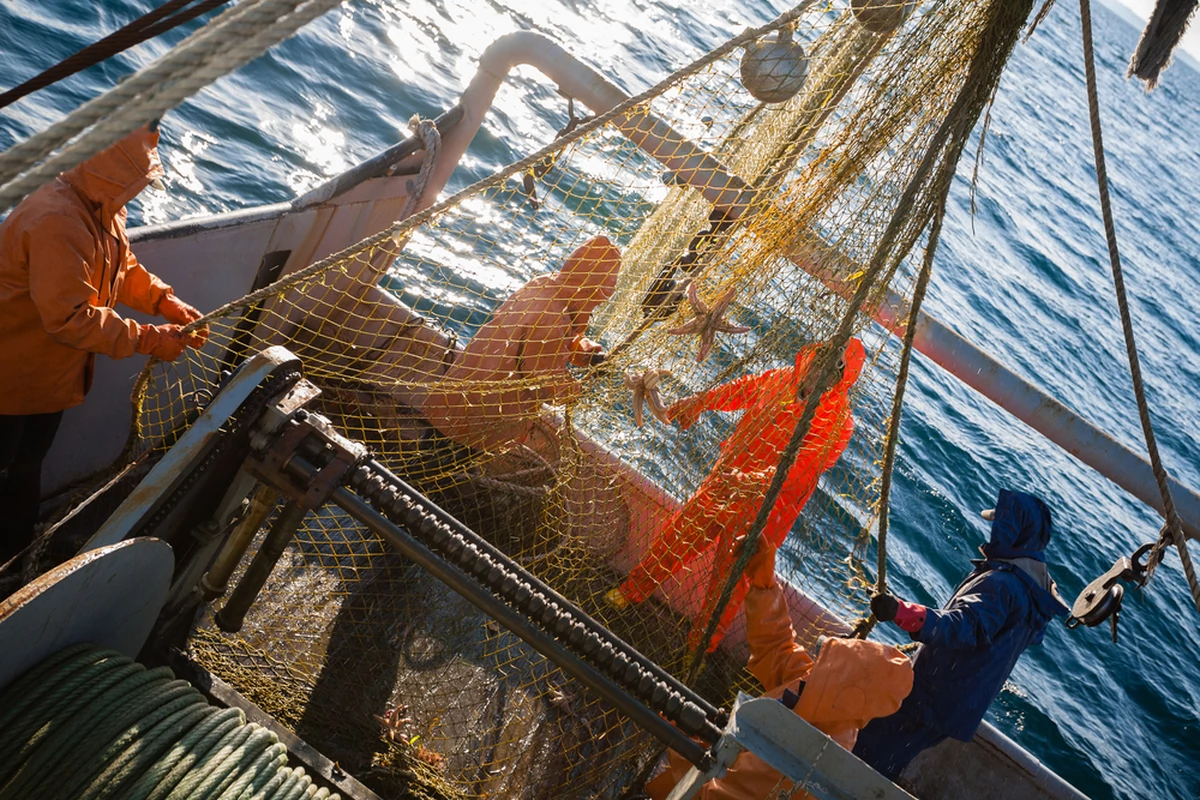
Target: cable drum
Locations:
point(88, 723)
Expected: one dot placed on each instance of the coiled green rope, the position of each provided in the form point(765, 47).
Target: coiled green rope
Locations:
point(91, 724)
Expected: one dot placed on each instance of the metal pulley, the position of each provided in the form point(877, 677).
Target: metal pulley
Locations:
point(1101, 599)
point(773, 70)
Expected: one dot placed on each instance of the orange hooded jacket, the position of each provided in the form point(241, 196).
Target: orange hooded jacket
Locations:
point(64, 263)
point(771, 411)
point(852, 682)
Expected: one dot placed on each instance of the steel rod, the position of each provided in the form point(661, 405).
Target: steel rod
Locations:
point(230, 618)
point(538, 639)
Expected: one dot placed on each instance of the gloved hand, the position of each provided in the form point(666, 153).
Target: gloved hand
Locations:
point(761, 569)
point(907, 616)
point(742, 485)
point(585, 352)
point(175, 311)
point(166, 342)
point(884, 607)
point(685, 411)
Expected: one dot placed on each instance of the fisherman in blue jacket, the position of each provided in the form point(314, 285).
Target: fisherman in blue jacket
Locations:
point(969, 647)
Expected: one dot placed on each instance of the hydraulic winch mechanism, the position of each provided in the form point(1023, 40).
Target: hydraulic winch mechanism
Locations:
point(255, 445)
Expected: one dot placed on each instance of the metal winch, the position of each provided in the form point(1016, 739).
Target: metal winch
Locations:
point(255, 445)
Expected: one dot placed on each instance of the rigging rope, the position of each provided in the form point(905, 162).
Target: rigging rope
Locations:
point(231, 40)
point(88, 723)
point(947, 141)
point(863, 629)
point(1135, 370)
point(141, 29)
point(826, 363)
point(399, 230)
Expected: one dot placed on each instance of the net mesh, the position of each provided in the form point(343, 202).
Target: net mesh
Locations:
point(458, 346)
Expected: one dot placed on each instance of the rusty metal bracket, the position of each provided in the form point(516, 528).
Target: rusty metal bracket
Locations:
point(314, 436)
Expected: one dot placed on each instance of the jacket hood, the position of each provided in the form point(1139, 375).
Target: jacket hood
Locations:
point(1021, 527)
point(1045, 595)
point(852, 682)
point(115, 175)
point(855, 357)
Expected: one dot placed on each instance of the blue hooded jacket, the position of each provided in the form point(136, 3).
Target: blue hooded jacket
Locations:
point(970, 646)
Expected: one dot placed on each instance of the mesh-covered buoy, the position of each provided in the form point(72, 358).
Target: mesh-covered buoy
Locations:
point(881, 16)
point(773, 70)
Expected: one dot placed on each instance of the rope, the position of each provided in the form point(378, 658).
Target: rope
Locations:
point(824, 367)
point(398, 230)
point(509, 481)
point(141, 29)
point(863, 629)
point(431, 143)
point(1135, 370)
point(947, 141)
point(89, 724)
point(229, 41)
point(389, 238)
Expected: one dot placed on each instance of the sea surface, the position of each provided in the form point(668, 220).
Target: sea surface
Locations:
point(1026, 277)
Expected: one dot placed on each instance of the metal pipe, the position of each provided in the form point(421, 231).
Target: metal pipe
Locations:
point(216, 580)
point(1058, 423)
point(374, 167)
point(535, 637)
point(575, 79)
point(230, 618)
point(693, 166)
point(1029, 403)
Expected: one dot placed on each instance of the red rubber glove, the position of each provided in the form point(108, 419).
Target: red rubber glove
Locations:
point(175, 311)
point(166, 342)
point(910, 616)
point(907, 616)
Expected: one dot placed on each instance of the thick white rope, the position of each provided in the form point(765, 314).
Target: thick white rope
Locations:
point(231, 40)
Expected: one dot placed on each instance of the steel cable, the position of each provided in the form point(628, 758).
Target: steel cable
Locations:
point(162, 19)
point(231, 40)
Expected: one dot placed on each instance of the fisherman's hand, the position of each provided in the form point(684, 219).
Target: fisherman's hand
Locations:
point(749, 483)
point(884, 606)
point(685, 411)
point(585, 352)
point(761, 569)
point(906, 616)
point(165, 342)
point(175, 311)
point(196, 337)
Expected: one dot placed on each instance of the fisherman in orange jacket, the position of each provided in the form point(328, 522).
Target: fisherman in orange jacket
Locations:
point(728, 500)
point(851, 682)
point(64, 263)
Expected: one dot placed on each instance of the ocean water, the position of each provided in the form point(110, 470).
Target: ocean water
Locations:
point(1026, 277)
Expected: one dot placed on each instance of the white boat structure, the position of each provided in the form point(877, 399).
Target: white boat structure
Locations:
point(335, 312)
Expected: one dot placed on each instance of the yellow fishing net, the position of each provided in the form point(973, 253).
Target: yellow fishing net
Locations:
point(449, 345)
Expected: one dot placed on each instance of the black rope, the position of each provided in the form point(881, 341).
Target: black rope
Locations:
point(147, 26)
